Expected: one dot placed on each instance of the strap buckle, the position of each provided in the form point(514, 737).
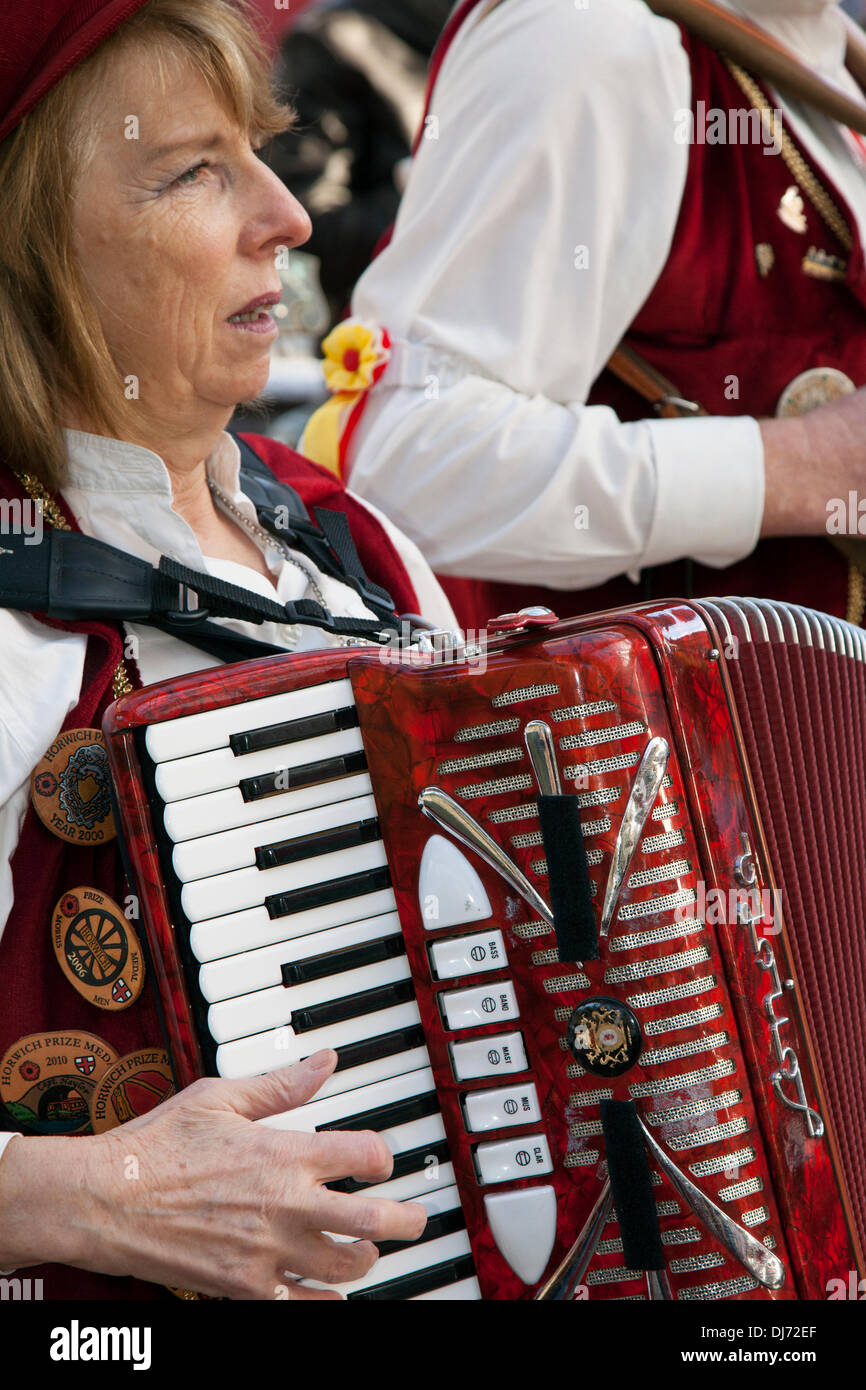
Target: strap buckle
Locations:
point(376, 598)
point(308, 610)
point(185, 615)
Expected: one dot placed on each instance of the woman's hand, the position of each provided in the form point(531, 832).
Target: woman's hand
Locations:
point(195, 1195)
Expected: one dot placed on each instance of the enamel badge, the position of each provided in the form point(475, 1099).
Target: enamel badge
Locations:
point(811, 389)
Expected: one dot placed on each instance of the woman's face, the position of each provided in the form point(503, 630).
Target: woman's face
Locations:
point(177, 227)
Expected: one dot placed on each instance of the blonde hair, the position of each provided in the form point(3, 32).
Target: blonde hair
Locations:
point(53, 352)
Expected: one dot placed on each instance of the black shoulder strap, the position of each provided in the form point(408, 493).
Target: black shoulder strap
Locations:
point(73, 577)
point(261, 486)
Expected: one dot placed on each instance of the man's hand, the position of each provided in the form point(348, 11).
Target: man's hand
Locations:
point(809, 461)
point(195, 1195)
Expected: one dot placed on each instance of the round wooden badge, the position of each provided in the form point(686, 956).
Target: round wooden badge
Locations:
point(71, 789)
point(97, 948)
point(47, 1080)
point(133, 1086)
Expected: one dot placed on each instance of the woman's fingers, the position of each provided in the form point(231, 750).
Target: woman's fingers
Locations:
point(257, 1097)
point(360, 1154)
point(317, 1256)
point(370, 1218)
point(297, 1291)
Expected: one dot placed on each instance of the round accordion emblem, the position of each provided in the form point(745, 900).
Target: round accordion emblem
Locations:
point(604, 1036)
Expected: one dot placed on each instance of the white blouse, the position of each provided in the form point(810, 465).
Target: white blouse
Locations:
point(121, 493)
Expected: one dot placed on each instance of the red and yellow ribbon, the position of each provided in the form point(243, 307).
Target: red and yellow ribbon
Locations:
point(355, 356)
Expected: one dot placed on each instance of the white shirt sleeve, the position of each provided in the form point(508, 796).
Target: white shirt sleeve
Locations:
point(432, 601)
point(538, 216)
point(5, 1141)
point(40, 682)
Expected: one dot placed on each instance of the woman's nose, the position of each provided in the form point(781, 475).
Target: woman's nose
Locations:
point(281, 219)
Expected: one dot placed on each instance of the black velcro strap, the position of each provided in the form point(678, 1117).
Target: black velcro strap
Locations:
point(25, 572)
point(568, 875)
point(262, 486)
point(222, 600)
point(221, 643)
point(629, 1172)
point(72, 577)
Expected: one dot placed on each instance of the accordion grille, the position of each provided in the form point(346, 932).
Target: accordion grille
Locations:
point(799, 682)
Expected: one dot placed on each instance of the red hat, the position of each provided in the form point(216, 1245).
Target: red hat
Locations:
point(45, 39)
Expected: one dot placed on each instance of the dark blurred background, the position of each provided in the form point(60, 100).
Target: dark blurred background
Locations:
point(355, 72)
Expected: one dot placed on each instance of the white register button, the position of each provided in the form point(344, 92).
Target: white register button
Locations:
point(490, 1056)
point(513, 1158)
point(507, 1105)
point(468, 955)
point(491, 1003)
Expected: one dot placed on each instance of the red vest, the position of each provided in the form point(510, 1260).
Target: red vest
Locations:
point(36, 996)
point(712, 316)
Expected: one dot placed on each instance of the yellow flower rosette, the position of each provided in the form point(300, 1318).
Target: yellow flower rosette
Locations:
point(355, 356)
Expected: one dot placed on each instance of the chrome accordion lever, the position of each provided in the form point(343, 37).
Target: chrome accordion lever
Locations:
point(542, 755)
point(565, 1280)
point(447, 814)
point(658, 1289)
point(645, 789)
point(766, 1267)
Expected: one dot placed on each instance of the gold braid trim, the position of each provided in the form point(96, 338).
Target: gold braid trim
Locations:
point(794, 161)
point(121, 683)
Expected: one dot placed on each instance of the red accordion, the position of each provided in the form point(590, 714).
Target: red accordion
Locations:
point(595, 886)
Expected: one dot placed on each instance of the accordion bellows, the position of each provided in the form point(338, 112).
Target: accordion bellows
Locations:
point(799, 685)
point(296, 895)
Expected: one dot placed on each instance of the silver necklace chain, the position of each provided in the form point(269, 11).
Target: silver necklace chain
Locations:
point(260, 534)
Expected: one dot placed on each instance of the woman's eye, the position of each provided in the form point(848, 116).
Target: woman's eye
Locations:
point(191, 175)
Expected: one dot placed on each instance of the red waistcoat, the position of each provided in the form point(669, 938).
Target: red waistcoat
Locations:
point(35, 997)
point(712, 316)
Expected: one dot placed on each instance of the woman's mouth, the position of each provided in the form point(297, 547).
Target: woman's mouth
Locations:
point(256, 317)
point(258, 321)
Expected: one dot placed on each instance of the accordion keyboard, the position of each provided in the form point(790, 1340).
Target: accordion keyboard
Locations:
point(281, 874)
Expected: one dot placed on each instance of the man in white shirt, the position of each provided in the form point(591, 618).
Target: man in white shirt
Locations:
point(549, 196)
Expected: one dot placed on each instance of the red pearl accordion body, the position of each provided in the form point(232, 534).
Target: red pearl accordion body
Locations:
point(767, 730)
